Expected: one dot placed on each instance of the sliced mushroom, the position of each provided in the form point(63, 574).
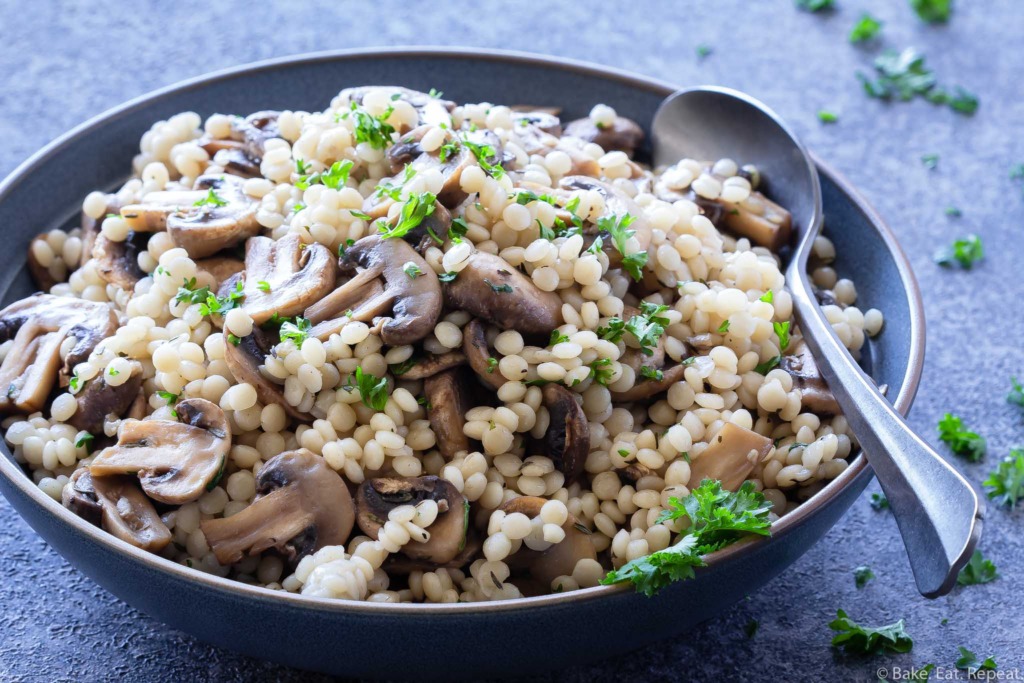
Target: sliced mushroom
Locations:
point(616, 203)
point(478, 353)
point(118, 262)
point(559, 559)
point(399, 565)
point(491, 289)
point(285, 276)
point(814, 392)
point(403, 311)
point(301, 506)
point(730, 457)
point(244, 361)
point(645, 387)
point(39, 325)
point(567, 441)
point(431, 364)
point(116, 504)
point(215, 215)
point(543, 119)
point(242, 153)
point(98, 399)
point(760, 219)
point(220, 269)
point(377, 497)
point(176, 462)
point(448, 399)
point(623, 135)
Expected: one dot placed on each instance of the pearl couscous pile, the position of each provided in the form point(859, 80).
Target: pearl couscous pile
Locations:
point(405, 349)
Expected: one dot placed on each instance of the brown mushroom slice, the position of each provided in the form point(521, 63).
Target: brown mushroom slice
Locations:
point(244, 361)
point(492, 289)
point(220, 269)
point(814, 392)
point(176, 462)
point(623, 135)
point(404, 311)
point(39, 325)
point(215, 215)
point(544, 119)
point(645, 388)
point(301, 506)
point(448, 401)
point(120, 508)
point(730, 457)
point(97, 400)
point(402, 565)
point(759, 219)
point(561, 558)
point(377, 497)
point(430, 365)
point(257, 129)
point(118, 262)
point(616, 203)
point(478, 353)
point(285, 276)
point(567, 441)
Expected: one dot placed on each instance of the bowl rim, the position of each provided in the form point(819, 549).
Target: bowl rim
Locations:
point(785, 525)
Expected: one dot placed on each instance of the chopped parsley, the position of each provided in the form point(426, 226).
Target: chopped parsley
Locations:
point(448, 276)
point(1005, 484)
point(1016, 395)
point(301, 167)
point(879, 502)
point(703, 51)
point(209, 303)
point(648, 327)
point(965, 251)
point(404, 367)
point(601, 371)
point(458, 229)
point(263, 286)
point(815, 5)
point(492, 364)
point(412, 270)
point(557, 338)
point(932, 11)
point(373, 390)
point(767, 366)
point(487, 157)
point(170, 399)
point(85, 440)
point(334, 177)
point(866, 28)
point(724, 327)
point(961, 441)
point(782, 331)
point(449, 149)
point(75, 384)
point(953, 212)
point(903, 76)
point(234, 339)
point(524, 197)
point(930, 161)
point(718, 518)
point(211, 199)
point(372, 130)
point(618, 229)
point(968, 661)
point(614, 330)
point(113, 372)
point(861, 576)
point(977, 570)
point(767, 297)
point(857, 639)
point(650, 373)
point(499, 289)
point(826, 116)
point(296, 330)
point(416, 208)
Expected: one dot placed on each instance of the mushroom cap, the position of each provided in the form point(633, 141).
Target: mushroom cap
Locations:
point(39, 324)
point(414, 303)
point(98, 399)
point(301, 506)
point(558, 560)
point(623, 135)
point(492, 289)
point(545, 120)
point(567, 441)
point(176, 462)
point(116, 504)
point(730, 457)
point(298, 275)
point(375, 498)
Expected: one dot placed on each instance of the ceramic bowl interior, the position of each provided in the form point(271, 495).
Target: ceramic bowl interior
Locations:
point(47, 191)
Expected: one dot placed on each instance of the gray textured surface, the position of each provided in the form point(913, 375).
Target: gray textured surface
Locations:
point(63, 65)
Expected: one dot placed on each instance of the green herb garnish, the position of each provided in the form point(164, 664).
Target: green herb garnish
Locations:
point(866, 28)
point(618, 229)
point(767, 366)
point(372, 129)
point(412, 270)
point(968, 661)
point(827, 116)
point(85, 440)
point(334, 177)
point(416, 208)
point(650, 373)
point(782, 332)
point(373, 390)
point(857, 639)
point(1016, 395)
point(930, 161)
point(932, 11)
point(977, 570)
point(211, 199)
point(499, 289)
point(861, 576)
point(648, 327)
point(296, 330)
point(965, 251)
point(961, 441)
point(1005, 484)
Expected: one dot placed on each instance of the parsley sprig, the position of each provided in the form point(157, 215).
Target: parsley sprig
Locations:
point(209, 302)
point(965, 252)
point(866, 28)
point(414, 211)
point(977, 570)
point(618, 228)
point(335, 177)
point(373, 390)
point(717, 518)
point(211, 199)
point(373, 130)
point(1005, 484)
point(961, 440)
point(855, 638)
point(296, 330)
point(648, 327)
point(904, 76)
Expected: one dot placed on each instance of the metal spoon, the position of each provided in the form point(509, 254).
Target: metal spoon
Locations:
point(937, 510)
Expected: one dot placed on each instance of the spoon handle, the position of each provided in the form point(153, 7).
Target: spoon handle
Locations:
point(938, 512)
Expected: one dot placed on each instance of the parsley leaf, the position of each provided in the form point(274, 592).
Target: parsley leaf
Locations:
point(557, 338)
point(965, 251)
point(372, 129)
point(448, 276)
point(412, 270)
point(458, 229)
point(961, 441)
point(614, 330)
point(211, 199)
point(855, 638)
point(487, 157)
point(861, 576)
point(416, 208)
point(648, 372)
point(767, 366)
point(648, 327)
point(930, 161)
point(703, 51)
point(600, 371)
point(263, 286)
point(932, 11)
point(1005, 484)
point(492, 364)
point(866, 28)
point(879, 502)
point(903, 76)
point(75, 384)
point(977, 570)
point(814, 5)
point(953, 212)
point(373, 390)
point(334, 177)
point(1016, 395)
point(718, 518)
point(782, 331)
point(499, 289)
point(86, 440)
point(827, 116)
point(724, 327)
point(767, 297)
point(297, 331)
point(617, 228)
point(968, 661)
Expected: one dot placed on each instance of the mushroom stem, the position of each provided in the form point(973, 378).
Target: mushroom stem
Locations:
point(278, 517)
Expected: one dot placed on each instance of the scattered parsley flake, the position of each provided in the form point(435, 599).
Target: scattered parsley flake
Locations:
point(855, 638)
point(651, 373)
point(296, 330)
point(412, 270)
point(1005, 484)
point(614, 330)
point(751, 628)
point(903, 76)
point(953, 212)
point(263, 286)
point(767, 366)
point(416, 208)
point(767, 297)
point(961, 441)
point(648, 327)
point(499, 289)
point(600, 371)
point(782, 331)
point(879, 502)
point(211, 199)
point(965, 251)
point(827, 116)
point(617, 228)
point(335, 177)
point(968, 661)
point(85, 440)
point(373, 390)
point(113, 372)
point(1016, 395)
point(557, 338)
point(372, 129)
point(815, 5)
point(448, 276)
point(932, 11)
point(487, 157)
point(704, 50)
point(861, 576)
point(866, 28)
point(978, 570)
point(930, 161)
point(492, 363)
point(75, 384)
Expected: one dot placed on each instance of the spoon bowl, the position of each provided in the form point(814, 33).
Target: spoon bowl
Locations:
point(938, 512)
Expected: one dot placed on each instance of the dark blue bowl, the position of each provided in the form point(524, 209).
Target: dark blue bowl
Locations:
point(450, 641)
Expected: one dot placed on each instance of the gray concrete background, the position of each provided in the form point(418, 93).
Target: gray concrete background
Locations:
point(65, 62)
